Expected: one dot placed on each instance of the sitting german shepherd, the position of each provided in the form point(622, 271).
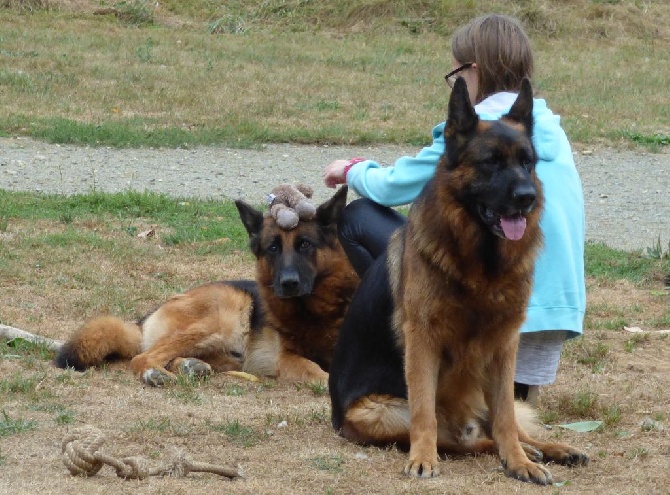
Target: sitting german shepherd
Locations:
point(426, 354)
point(284, 324)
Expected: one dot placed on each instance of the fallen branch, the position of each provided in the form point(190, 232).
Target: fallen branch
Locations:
point(10, 333)
point(639, 330)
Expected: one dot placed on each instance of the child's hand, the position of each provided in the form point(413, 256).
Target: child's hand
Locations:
point(334, 174)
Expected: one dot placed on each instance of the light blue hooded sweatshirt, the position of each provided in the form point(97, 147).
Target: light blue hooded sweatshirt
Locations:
point(558, 301)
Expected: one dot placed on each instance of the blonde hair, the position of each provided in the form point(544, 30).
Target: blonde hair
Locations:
point(500, 48)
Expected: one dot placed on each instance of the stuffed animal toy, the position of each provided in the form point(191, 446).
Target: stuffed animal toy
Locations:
point(289, 204)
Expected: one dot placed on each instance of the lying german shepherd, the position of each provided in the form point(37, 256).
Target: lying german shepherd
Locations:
point(426, 354)
point(283, 324)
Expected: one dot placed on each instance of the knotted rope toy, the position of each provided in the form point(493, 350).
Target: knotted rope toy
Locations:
point(82, 457)
point(289, 204)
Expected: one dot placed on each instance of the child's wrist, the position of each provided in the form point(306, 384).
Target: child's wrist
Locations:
point(351, 163)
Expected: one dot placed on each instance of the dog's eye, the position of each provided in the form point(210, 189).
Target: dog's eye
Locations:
point(491, 165)
point(273, 248)
point(525, 159)
point(304, 244)
point(527, 164)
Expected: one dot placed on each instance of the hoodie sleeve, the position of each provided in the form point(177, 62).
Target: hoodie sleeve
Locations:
point(401, 183)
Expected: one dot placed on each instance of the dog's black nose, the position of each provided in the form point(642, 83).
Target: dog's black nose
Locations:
point(524, 195)
point(289, 283)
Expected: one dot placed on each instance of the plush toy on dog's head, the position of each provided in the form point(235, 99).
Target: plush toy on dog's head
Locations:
point(289, 204)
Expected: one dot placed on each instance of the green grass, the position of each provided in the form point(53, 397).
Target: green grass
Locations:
point(611, 416)
point(26, 386)
point(317, 388)
point(188, 220)
point(236, 432)
point(637, 340)
point(25, 350)
point(20, 384)
point(583, 404)
point(103, 229)
point(331, 463)
point(657, 251)
point(65, 417)
point(184, 74)
point(193, 220)
point(637, 453)
point(234, 390)
point(52, 241)
point(185, 388)
point(145, 132)
point(603, 262)
point(10, 426)
point(593, 356)
point(162, 425)
point(319, 416)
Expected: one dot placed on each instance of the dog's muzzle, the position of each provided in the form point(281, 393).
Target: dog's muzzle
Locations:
point(511, 224)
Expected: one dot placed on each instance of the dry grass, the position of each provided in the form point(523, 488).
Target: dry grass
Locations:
point(610, 375)
point(305, 71)
point(354, 72)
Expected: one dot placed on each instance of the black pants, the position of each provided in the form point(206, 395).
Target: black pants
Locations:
point(364, 229)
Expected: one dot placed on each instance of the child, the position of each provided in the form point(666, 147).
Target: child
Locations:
point(493, 54)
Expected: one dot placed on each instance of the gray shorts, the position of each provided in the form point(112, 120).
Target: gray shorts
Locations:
point(538, 357)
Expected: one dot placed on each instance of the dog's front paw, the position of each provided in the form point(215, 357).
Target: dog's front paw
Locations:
point(529, 471)
point(565, 454)
point(155, 377)
point(422, 468)
point(575, 459)
point(533, 454)
point(194, 367)
point(301, 371)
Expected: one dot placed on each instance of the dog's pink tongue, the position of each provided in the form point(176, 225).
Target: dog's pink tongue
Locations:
point(513, 226)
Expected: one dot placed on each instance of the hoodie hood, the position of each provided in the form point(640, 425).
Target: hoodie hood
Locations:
point(547, 132)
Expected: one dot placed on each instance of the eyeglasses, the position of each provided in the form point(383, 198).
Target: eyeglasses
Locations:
point(453, 75)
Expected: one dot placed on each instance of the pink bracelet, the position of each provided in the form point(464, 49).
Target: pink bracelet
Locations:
point(351, 163)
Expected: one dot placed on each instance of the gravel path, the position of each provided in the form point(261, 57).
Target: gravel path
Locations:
point(627, 193)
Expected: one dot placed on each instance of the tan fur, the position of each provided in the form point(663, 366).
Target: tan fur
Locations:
point(208, 328)
point(388, 418)
point(299, 332)
point(459, 296)
point(208, 323)
point(263, 353)
point(476, 332)
point(104, 335)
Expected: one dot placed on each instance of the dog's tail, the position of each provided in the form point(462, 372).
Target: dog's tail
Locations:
point(100, 339)
point(527, 418)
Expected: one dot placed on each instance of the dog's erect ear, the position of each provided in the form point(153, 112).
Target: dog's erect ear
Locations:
point(462, 119)
point(328, 213)
point(522, 110)
point(253, 222)
point(251, 218)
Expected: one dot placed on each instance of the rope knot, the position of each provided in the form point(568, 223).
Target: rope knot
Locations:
point(82, 457)
point(79, 450)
